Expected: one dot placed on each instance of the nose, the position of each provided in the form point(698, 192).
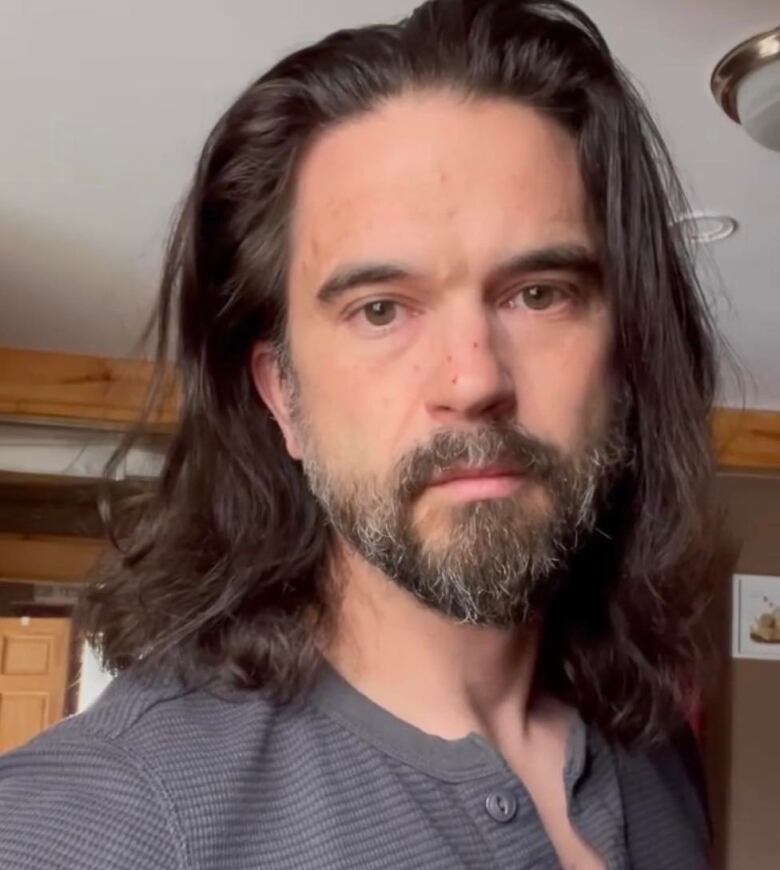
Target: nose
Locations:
point(473, 380)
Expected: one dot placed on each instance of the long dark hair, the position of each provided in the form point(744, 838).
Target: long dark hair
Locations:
point(219, 568)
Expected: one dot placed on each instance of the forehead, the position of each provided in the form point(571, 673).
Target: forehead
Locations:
point(433, 177)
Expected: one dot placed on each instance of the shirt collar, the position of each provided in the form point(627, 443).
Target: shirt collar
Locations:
point(461, 760)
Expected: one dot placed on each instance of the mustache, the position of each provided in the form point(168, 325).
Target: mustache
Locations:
point(488, 445)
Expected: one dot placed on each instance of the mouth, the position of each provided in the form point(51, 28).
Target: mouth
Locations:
point(466, 484)
point(465, 473)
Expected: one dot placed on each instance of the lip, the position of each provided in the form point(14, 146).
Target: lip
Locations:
point(478, 484)
point(490, 471)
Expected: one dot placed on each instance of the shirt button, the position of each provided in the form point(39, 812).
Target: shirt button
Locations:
point(501, 805)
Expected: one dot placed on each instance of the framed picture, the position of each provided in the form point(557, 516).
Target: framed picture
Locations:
point(756, 617)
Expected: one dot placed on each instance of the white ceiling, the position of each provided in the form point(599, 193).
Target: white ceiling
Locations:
point(106, 103)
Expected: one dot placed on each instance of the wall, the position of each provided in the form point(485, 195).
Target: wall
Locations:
point(745, 743)
point(93, 679)
point(10, 594)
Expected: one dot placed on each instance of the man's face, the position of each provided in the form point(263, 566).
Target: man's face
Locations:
point(449, 340)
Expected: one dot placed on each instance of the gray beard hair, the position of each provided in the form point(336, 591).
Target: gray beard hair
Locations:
point(502, 559)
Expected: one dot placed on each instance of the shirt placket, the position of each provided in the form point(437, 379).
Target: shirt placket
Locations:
point(508, 823)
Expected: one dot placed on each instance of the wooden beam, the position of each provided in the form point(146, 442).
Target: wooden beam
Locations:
point(747, 440)
point(49, 558)
point(100, 392)
point(76, 389)
point(66, 506)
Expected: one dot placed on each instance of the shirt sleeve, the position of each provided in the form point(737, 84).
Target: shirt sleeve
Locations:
point(680, 766)
point(690, 756)
point(84, 803)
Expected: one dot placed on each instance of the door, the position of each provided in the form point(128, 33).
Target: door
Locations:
point(34, 664)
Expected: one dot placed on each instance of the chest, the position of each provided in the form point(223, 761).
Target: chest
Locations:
point(571, 847)
point(389, 817)
point(545, 779)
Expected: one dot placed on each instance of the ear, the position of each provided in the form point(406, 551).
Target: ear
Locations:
point(274, 392)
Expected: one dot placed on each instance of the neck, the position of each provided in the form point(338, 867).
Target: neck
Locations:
point(445, 678)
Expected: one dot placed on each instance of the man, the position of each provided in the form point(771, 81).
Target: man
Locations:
point(420, 583)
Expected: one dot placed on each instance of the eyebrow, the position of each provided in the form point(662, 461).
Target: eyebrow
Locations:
point(349, 277)
point(574, 258)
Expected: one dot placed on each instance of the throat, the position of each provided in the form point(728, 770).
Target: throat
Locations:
point(446, 678)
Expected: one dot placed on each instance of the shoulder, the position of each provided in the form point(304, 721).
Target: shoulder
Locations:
point(667, 779)
point(105, 788)
point(72, 799)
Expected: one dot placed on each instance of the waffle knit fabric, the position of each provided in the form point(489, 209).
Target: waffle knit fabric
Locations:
point(155, 776)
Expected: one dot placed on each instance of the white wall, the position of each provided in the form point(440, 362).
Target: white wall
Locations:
point(72, 452)
point(93, 678)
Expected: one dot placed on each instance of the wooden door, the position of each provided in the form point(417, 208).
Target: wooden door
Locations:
point(34, 664)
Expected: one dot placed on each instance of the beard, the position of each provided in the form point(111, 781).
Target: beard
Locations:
point(486, 562)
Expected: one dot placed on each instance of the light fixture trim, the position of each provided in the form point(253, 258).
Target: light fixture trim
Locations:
point(748, 56)
point(705, 228)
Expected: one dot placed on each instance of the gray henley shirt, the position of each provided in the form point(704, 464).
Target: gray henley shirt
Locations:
point(157, 777)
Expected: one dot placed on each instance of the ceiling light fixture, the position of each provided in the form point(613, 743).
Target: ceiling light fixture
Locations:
point(746, 84)
point(706, 228)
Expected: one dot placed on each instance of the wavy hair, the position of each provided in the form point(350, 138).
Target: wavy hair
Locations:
point(219, 567)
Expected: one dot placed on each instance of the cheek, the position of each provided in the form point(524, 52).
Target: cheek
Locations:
point(566, 391)
point(358, 414)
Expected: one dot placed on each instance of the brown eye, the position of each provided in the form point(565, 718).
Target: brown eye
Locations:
point(381, 313)
point(538, 296)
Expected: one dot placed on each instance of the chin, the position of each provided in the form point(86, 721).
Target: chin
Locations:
point(442, 521)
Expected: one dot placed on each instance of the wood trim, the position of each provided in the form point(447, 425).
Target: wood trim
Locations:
point(45, 505)
point(97, 391)
point(47, 558)
point(76, 389)
point(747, 440)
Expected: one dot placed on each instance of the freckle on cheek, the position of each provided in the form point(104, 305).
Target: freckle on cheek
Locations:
point(455, 380)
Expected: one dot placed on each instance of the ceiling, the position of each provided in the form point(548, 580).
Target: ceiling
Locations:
point(106, 104)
